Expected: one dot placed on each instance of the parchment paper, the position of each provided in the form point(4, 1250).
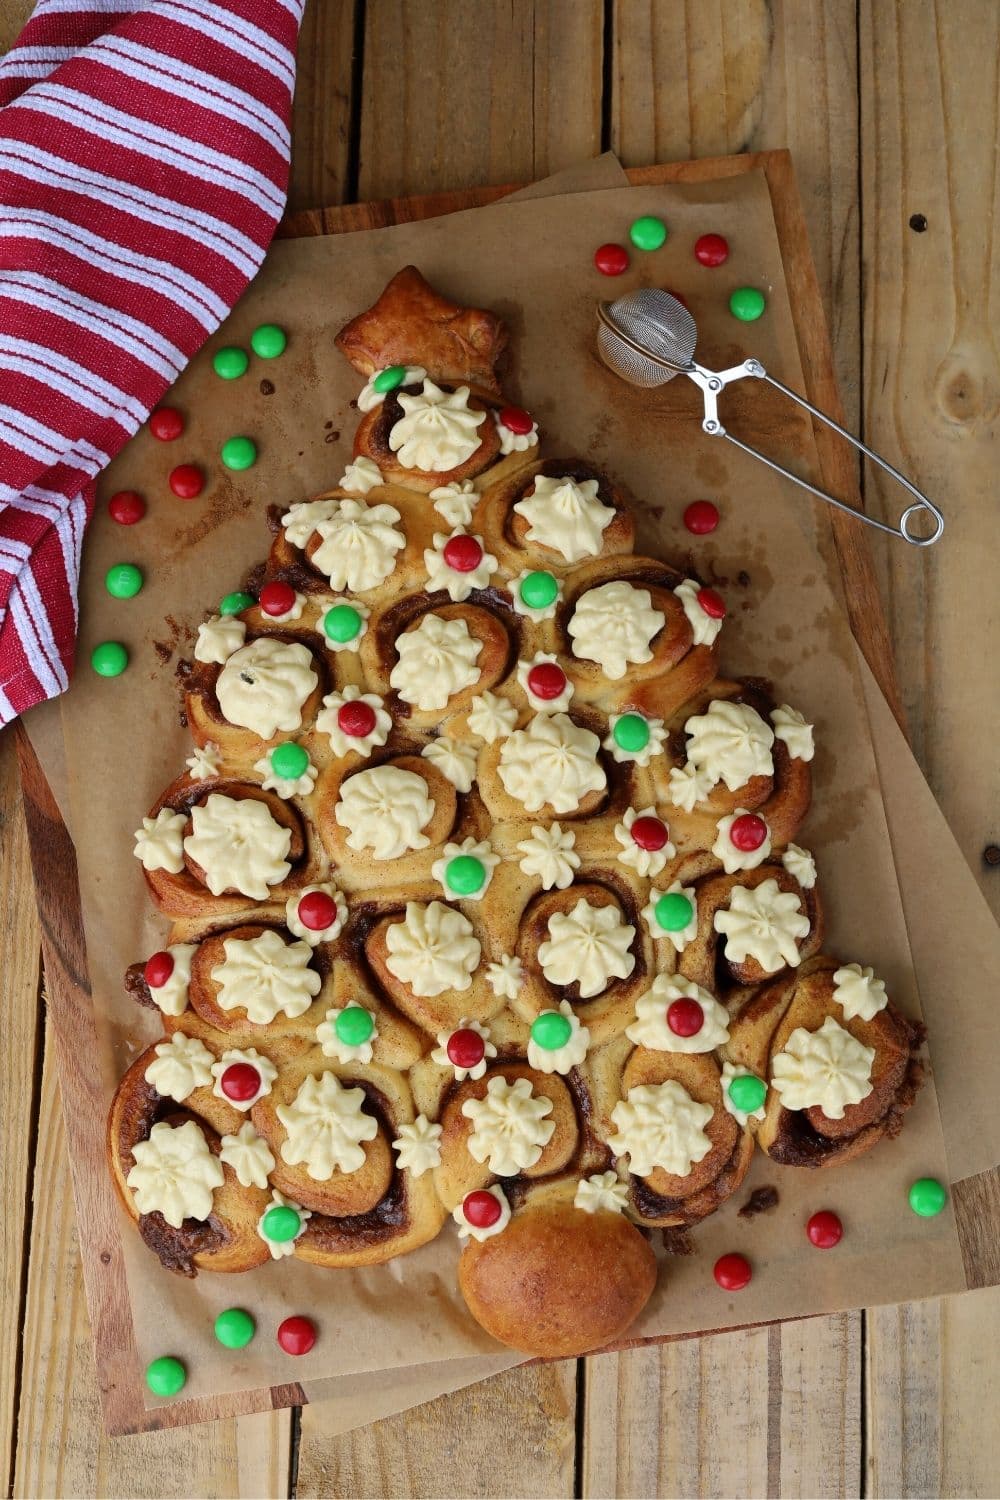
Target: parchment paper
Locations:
point(530, 261)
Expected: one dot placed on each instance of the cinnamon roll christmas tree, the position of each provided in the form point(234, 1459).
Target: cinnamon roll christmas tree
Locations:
point(487, 915)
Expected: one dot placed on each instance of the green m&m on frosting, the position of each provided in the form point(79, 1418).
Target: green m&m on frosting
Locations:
point(109, 659)
point(551, 1030)
point(235, 604)
point(281, 1223)
point(166, 1376)
point(354, 1026)
point(235, 1328)
point(673, 911)
point(539, 590)
point(747, 1093)
point(927, 1197)
point(465, 874)
point(747, 303)
point(268, 341)
point(648, 233)
point(389, 380)
point(342, 623)
point(230, 363)
point(123, 581)
point(289, 761)
point(239, 453)
point(631, 733)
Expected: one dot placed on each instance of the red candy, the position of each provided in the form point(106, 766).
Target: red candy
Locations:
point(481, 1209)
point(159, 967)
point(126, 507)
point(277, 598)
point(649, 833)
point(701, 517)
point(685, 1017)
point(747, 832)
point(611, 260)
point(466, 1049)
point(516, 420)
point(356, 719)
point(732, 1272)
point(187, 481)
point(546, 680)
point(296, 1335)
point(317, 911)
point(712, 603)
point(825, 1230)
point(711, 250)
point(463, 553)
point(240, 1082)
point(166, 424)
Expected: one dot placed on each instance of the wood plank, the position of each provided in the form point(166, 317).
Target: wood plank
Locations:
point(766, 1411)
point(324, 101)
point(458, 95)
point(512, 1435)
point(18, 1101)
point(61, 1448)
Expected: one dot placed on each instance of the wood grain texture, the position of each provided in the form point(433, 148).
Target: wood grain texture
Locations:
point(457, 95)
point(324, 104)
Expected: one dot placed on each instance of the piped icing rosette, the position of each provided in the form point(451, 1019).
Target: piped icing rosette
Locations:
point(552, 516)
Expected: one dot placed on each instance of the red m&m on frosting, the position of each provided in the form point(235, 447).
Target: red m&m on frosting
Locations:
point(463, 553)
point(277, 598)
point(158, 969)
point(317, 910)
point(240, 1082)
point(481, 1209)
point(356, 719)
point(516, 420)
point(711, 250)
point(650, 834)
point(187, 481)
point(296, 1335)
point(747, 832)
point(166, 423)
point(712, 603)
point(547, 680)
point(466, 1049)
point(732, 1272)
point(685, 1017)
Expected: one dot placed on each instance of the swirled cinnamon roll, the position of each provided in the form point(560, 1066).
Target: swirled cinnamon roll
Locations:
point(551, 515)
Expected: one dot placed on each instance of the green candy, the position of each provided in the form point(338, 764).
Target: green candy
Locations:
point(551, 1030)
point(465, 874)
point(648, 233)
point(927, 1197)
point(268, 341)
point(673, 911)
point(388, 380)
point(747, 1093)
point(289, 761)
point(239, 453)
point(354, 1026)
point(747, 304)
point(234, 1328)
point(539, 590)
point(230, 363)
point(631, 733)
point(342, 623)
point(109, 659)
point(123, 581)
point(166, 1376)
point(235, 604)
point(281, 1223)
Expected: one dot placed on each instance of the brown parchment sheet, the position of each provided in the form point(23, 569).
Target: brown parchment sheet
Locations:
point(530, 261)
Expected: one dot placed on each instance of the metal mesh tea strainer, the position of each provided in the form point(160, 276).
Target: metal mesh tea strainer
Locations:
point(647, 337)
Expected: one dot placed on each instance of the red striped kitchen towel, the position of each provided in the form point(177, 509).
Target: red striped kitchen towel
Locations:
point(144, 149)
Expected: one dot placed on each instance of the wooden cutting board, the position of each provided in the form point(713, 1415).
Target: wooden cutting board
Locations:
point(977, 1201)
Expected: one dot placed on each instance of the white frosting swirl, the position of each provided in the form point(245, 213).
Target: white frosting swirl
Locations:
point(729, 742)
point(729, 1072)
point(285, 786)
point(645, 862)
point(281, 1248)
point(651, 1029)
point(506, 976)
point(369, 397)
point(653, 746)
point(660, 1125)
point(358, 544)
point(681, 936)
point(159, 843)
point(734, 859)
point(312, 935)
point(566, 516)
point(436, 660)
point(800, 865)
point(457, 585)
point(455, 502)
point(328, 721)
point(570, 1054)
point(249, 1155)
point(345, 1052)
point(454, 758)
point(301, 521)
point(440, 1053)
point(263, 686)
point(763, 923)
point(418, 1146)
point(549, 855)
point(509, 1128)
point(175, 1173)
point(433, 949)
point(172, 997)
point(704, 627)
point(588, 946)
point(613, 625)
point(546, 611)
point(239, 846)
point(262, 1066)
point(491, 718)
point(858, 992)
point(438, 431)
point(487, 1231)
point(603, 1193)
point(552, 761)
point(325, 1126)
point(204, 761)
point(266, 977)
point(360, 476)
point(826, 1069)
point(687, 786)
point(515, 442)
point(543, 705)
point(479, 849)
point(218, 638)
point(181, 1065)
point(384, 810)
point(790, 726)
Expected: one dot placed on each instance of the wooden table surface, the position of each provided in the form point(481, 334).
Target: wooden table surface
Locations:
point(890, 108)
